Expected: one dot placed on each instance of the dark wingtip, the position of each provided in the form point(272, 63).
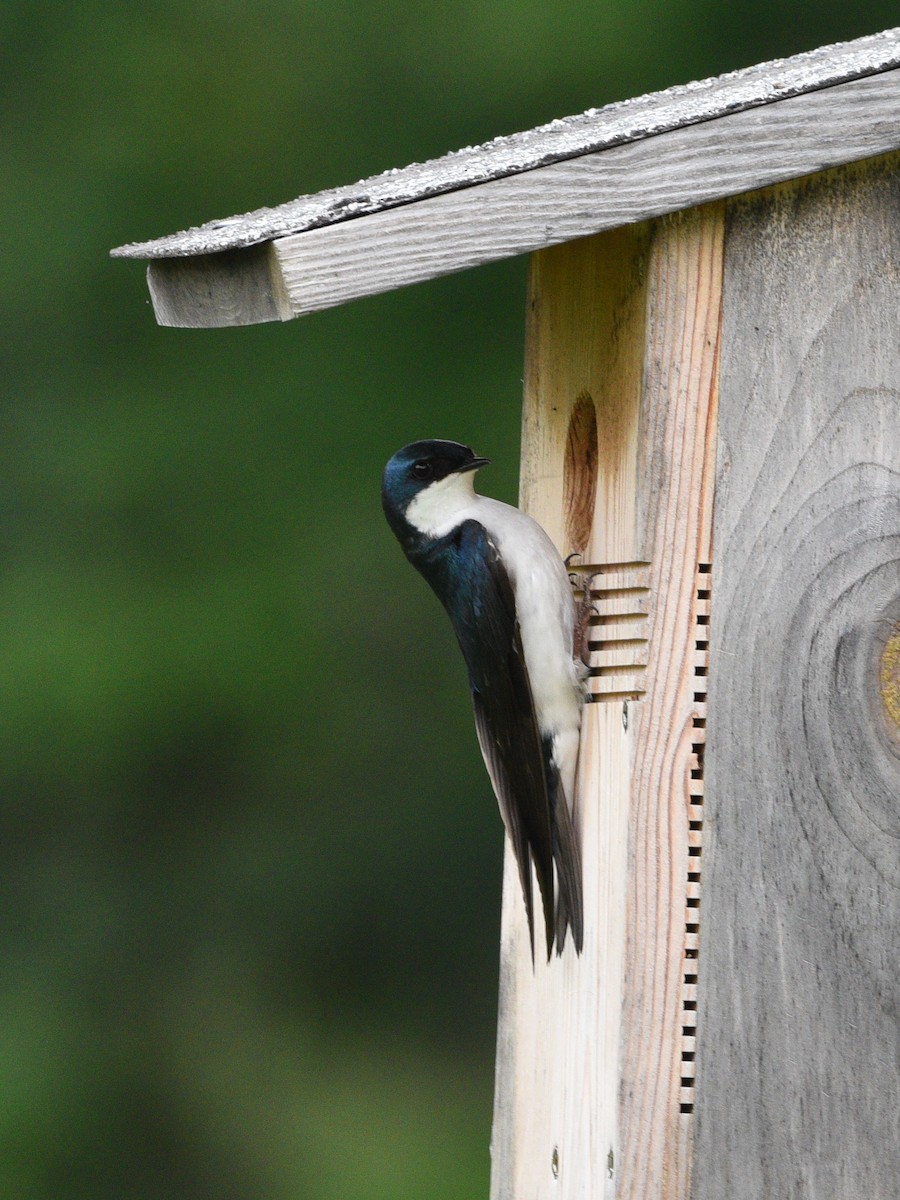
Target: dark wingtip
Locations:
point(525, 877)
point(562, 925)
point(567, 855)
point(549, 922)
point(566, 920)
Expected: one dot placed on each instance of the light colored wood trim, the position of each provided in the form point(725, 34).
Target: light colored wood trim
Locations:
point(585, 133)
point(590, 1050)
point(798, 1078)
point(676, 473)
point(235, 287)
point(621, 185)
point(625, 184)
point(555, 1114)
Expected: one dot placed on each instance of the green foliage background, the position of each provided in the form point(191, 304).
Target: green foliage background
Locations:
point(249, 858)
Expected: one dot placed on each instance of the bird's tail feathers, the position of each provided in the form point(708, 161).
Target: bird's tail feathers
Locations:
point(524, 864)
point(545, 887)
point(567, 856)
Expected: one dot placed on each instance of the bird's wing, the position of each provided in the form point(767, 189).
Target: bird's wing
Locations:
point(484, 617)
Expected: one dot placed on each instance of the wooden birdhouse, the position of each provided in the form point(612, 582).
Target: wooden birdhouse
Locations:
point(712, 420)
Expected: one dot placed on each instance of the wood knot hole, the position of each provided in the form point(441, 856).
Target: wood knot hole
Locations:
point(890, 678)
point(580, 472)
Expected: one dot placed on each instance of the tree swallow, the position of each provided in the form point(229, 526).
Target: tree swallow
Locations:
point(508, 595)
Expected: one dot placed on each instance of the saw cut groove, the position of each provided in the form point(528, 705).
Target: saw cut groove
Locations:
point(619, 593)
point(695, 843)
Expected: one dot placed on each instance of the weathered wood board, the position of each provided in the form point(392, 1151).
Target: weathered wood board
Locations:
point(231, 287)
point(732, 1031)
point(571, 199)
point(798, 1048)
point(569, 137)
point(593, 1069)
point(457, 230)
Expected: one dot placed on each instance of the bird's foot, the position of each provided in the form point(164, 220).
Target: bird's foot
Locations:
point(585, 609)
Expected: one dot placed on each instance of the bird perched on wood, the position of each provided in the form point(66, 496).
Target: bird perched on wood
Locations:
point(509, 597)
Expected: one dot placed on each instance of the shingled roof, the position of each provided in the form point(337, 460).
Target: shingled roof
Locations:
point(606, 166)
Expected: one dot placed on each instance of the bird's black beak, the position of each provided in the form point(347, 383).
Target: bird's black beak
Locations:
point(473, 465)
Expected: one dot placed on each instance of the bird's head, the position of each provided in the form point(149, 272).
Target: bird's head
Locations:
point(425, 483)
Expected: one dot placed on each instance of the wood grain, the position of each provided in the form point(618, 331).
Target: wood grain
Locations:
point(570, 137)
point(590, 1051)
point(675, 498)
point(798, 1080)
point(580, 473)
point(566, 200)
point(234, 287)
point(555, 1112)
point(675, 170)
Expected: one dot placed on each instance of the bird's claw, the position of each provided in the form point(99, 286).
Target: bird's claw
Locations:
point(585, 610)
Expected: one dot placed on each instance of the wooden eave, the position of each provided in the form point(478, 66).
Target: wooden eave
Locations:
point(626, 162)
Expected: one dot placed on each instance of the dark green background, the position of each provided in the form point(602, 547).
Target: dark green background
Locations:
point(249, 857)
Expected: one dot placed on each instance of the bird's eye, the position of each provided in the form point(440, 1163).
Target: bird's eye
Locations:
point(422, 470)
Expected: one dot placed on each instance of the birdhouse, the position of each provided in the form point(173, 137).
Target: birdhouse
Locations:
point(712, 422)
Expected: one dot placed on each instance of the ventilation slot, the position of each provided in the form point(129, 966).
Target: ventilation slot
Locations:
point(694, 839)
point(619, 594)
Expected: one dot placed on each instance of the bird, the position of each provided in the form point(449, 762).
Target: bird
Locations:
point(509, 597)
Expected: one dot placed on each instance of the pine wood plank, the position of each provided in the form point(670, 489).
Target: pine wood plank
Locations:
point(590, 1068)
point(624, 184)
point(555, 1114)
point(676, 473)
point(456, 230)
point(570, 137)
point(234, 287)
point(798, 1081)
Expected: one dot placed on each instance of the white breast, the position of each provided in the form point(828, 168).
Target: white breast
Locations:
point(443, 505)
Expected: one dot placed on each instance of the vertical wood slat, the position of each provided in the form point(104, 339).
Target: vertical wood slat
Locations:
point(675, 492)
point(555, 1114)
point(622, 328)
point(798, 1078)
